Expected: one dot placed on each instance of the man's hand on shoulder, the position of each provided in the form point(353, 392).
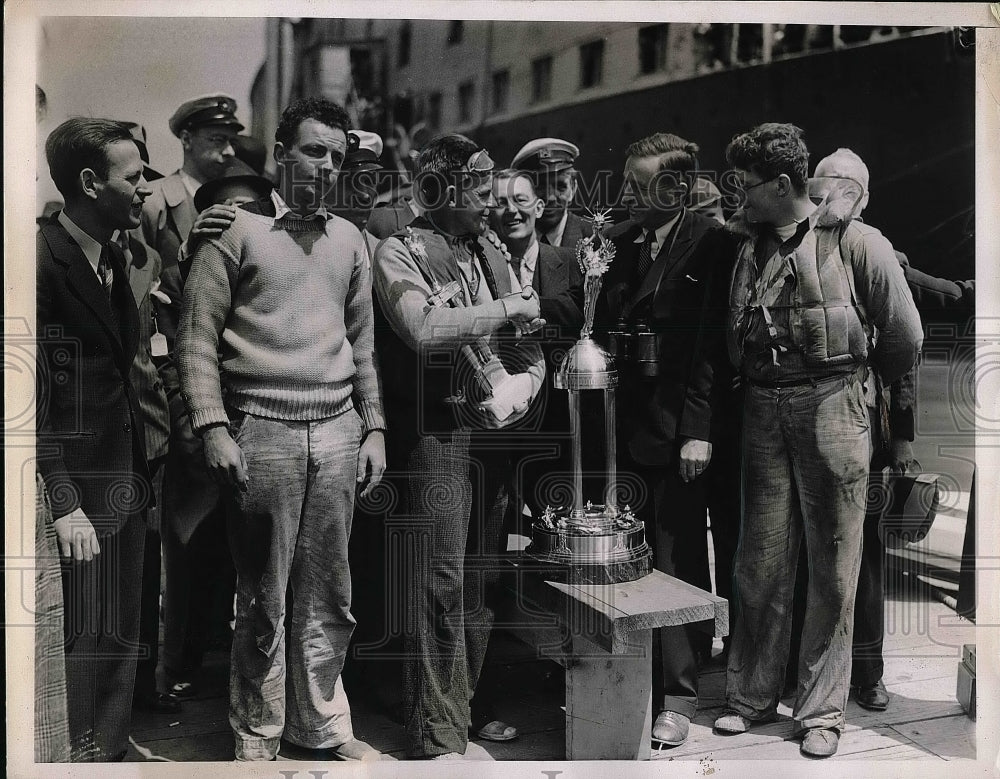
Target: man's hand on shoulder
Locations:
point(76, 536)
point(225, 459)
point(213, 221)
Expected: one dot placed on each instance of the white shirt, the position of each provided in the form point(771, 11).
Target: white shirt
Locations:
point(526, 267)
point(659, 236)
point(555, 236)
point(786, 231)
point(91, 248)
point(281, 209)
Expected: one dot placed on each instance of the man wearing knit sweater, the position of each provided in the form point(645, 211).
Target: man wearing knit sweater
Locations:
point(276, 358)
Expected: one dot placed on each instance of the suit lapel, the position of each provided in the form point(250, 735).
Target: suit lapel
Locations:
point(669, 261)
point(125, 306)
point(82, 280)
point(548, 269)
point(181, 207)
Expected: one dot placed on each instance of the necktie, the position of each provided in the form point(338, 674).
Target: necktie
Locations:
point(107, 277)
point(645, 261)
point(526, 275)
point(545, 239)
point(104, 271)
point(123, 244)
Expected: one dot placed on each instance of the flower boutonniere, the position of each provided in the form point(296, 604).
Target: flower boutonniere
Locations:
point(415, 244)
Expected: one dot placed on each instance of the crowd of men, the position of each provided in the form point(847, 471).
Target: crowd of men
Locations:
point(228, 367)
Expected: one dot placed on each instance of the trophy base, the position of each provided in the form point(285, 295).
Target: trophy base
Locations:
point(571, 572)
point(599, 546)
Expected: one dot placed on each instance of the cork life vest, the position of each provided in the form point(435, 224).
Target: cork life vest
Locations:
point(800, 315)
point(450, 383)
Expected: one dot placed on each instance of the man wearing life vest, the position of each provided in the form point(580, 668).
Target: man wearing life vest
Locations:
point(453, 368)
point(809, 289)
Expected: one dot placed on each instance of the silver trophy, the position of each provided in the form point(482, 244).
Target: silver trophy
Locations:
point(595, 543)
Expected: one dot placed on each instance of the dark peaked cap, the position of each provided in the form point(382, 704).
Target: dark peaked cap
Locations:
point(205, 110)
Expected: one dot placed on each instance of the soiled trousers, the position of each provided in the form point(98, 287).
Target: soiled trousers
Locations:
point(806, 453)
point(288, 533)
point(448, 540)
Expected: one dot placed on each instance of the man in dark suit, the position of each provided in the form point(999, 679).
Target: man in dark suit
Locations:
point(662, 285)
point(91, 449)
point(554, 273)
point(550, 161)
point(206, 127)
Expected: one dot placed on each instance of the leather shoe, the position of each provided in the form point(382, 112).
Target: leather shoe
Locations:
point(156, 701)
point(670, 728)
point(820, 742)
point(873, 697)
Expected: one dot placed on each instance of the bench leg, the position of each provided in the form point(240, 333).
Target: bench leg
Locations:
point(609, 701)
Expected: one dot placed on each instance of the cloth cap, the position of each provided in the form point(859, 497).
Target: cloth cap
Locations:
point(205, 110)
point(237, 172)
point(363, 151)
point(546, 155)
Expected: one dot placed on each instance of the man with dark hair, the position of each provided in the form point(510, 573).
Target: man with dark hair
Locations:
point(300, 427)
point(206, 127)
point(809, 287)
point(446, 295)
point(669, 264)
point(90, 428)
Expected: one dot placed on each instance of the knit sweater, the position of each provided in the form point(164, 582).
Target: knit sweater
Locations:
point(278, 312)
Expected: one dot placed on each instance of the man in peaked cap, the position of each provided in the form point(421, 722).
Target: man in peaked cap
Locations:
point(550, 161)
point(356, 187)
point(206, 127)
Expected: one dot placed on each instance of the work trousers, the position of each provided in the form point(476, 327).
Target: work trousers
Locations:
point(806, 453)
point(289, 533)
point(448, 540)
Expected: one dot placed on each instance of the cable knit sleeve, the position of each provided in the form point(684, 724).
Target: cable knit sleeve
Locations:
point(359, 320)
point(207, 300)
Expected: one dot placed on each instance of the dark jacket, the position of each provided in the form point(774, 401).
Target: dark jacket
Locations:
point(559, 283)
point(576, 228)
point(143, 273)
point(91, 445)
point(681, 298)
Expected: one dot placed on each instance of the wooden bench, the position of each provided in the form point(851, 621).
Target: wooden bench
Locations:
point(602, 635)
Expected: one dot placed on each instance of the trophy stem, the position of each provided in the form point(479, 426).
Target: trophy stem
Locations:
point(577, 430)
point(611, 452)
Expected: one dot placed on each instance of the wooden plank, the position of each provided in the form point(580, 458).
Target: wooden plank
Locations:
point(656, 600)
point(607, 614)
point(609, 703)
point(951, 738)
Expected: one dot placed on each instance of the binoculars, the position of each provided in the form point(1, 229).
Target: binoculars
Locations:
point(635, 345)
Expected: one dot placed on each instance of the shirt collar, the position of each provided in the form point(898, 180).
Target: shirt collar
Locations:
point(282, 210)
point(555, 235)
point(190, 184)
point(660, 234)
point(91, 248)
point(530, 257)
